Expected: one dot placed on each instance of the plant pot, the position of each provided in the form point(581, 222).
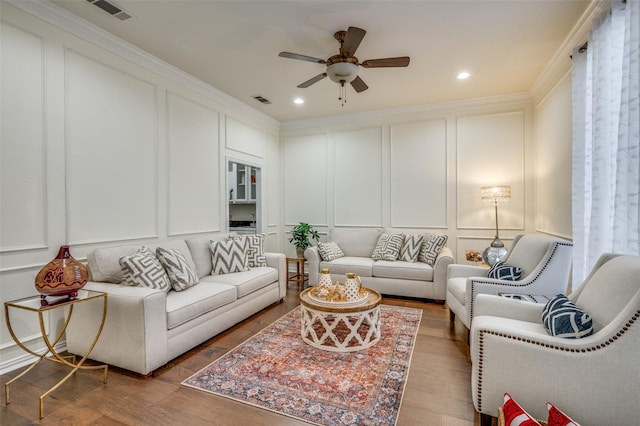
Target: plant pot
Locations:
point(299, 252)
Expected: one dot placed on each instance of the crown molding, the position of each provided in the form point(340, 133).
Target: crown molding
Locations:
point(73, 24)
point(560, 63)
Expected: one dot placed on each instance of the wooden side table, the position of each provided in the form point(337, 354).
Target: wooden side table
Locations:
point(299, 277)
point(32, 304)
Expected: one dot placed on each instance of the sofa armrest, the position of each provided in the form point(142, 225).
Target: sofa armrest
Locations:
point(134, 336)
point(313, 257)
point(440, 268)
point(504, 307)
point(279, 261)
point(465, 271)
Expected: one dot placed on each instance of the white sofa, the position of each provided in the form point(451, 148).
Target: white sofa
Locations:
point(145, 328)
point(396, 278)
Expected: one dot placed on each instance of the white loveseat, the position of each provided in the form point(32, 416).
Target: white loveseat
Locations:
point(145, 328)
point(396, 278)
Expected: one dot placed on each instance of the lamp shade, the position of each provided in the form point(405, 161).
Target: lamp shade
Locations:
point(342, 72)
point(496, 194)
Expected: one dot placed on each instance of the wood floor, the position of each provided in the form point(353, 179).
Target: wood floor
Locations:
point(437, 392)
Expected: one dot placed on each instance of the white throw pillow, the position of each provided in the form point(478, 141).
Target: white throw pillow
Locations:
point(330, 251)
point(388, 247)
point(181, 274)
point(431, 248)
point(142, 269)
point(255, 250)
point(229, 256)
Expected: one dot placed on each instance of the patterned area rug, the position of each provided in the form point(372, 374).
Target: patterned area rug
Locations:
point(277, 371)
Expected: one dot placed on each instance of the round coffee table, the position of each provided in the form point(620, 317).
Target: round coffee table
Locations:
point(339, 327)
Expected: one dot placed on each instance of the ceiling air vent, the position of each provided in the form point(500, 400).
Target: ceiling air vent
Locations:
point(111, 9)
point(262, 99)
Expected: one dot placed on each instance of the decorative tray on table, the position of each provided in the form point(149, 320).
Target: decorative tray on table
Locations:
point(335, 297)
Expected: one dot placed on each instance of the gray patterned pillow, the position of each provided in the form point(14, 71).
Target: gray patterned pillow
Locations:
point(411, 248)
point(255, 250)
point(181, 274)
point(431, 248)
point(388, 247)
point(229, 256)
point(330, 251)
point(142, 269)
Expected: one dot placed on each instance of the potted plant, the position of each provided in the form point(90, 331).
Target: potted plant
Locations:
point(300, 237)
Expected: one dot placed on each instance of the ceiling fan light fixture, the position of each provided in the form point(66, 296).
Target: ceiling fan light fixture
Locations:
point(342, 72)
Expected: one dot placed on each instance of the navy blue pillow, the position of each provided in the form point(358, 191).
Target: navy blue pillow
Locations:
point(503, 271)
point(562, 318)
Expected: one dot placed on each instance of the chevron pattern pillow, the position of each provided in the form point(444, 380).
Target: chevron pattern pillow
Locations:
point(504, 271)
point(411, 248)
point(181, 274)
point(142, 269)
point(255, 250)
point(431, 248)
point(330, 251)
point(562, 318)
point(229, 256)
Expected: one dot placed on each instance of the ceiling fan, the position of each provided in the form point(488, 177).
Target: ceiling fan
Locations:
point(343, 67)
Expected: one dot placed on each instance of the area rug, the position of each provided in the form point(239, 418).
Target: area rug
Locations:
point(275, 370)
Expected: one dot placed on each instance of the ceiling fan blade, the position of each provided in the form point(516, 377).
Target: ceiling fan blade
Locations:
point(352, 41)
point(359, 85)
point(302, 57)
point(401, 61)
point(311, 81)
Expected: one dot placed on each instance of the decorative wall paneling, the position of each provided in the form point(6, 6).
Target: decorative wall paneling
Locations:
point(490, 151)
point(22, 165)
point(357, 177)
point(192, 154)
point(418, 174)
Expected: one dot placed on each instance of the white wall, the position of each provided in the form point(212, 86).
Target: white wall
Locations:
point(414, 169)
point(103, 145)
point(553, 160)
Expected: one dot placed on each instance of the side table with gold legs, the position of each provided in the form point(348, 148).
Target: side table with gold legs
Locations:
point(33, 304)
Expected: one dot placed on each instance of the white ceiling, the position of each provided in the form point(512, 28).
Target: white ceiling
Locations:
point(234, 46)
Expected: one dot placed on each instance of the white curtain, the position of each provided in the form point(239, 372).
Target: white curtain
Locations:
point(606, 139)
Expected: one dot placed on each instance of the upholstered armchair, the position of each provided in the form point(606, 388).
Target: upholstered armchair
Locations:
point(545, 262)
point(594, 379)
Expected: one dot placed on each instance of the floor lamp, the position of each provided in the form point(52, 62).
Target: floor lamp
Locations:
point(495, 194)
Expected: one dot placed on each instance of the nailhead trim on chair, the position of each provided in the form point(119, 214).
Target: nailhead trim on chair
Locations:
point(612, 339)
point(546, 263)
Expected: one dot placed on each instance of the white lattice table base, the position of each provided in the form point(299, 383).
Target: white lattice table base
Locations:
point(340, 332)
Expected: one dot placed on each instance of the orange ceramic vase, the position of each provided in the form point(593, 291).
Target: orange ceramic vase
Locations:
point(64, 275)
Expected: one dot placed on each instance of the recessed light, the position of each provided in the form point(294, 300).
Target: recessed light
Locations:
point(463, 75)
point(298, 101)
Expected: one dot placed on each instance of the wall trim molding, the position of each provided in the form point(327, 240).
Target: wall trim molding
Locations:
point(67, 21)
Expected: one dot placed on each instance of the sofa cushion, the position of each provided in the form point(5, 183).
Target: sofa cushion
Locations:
point(431, 248)
point(143, 269)
point(255, 250)
point(403, 270)
point(330, 251)
point(229, 256)
point(247, 281)
point(183, 306)
point(181, 274)
point(388, 247)
point(458, 288)
point(200, 249)
point(411, 248)
point(356, 242)
point(104, 263)
point(360, 265)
